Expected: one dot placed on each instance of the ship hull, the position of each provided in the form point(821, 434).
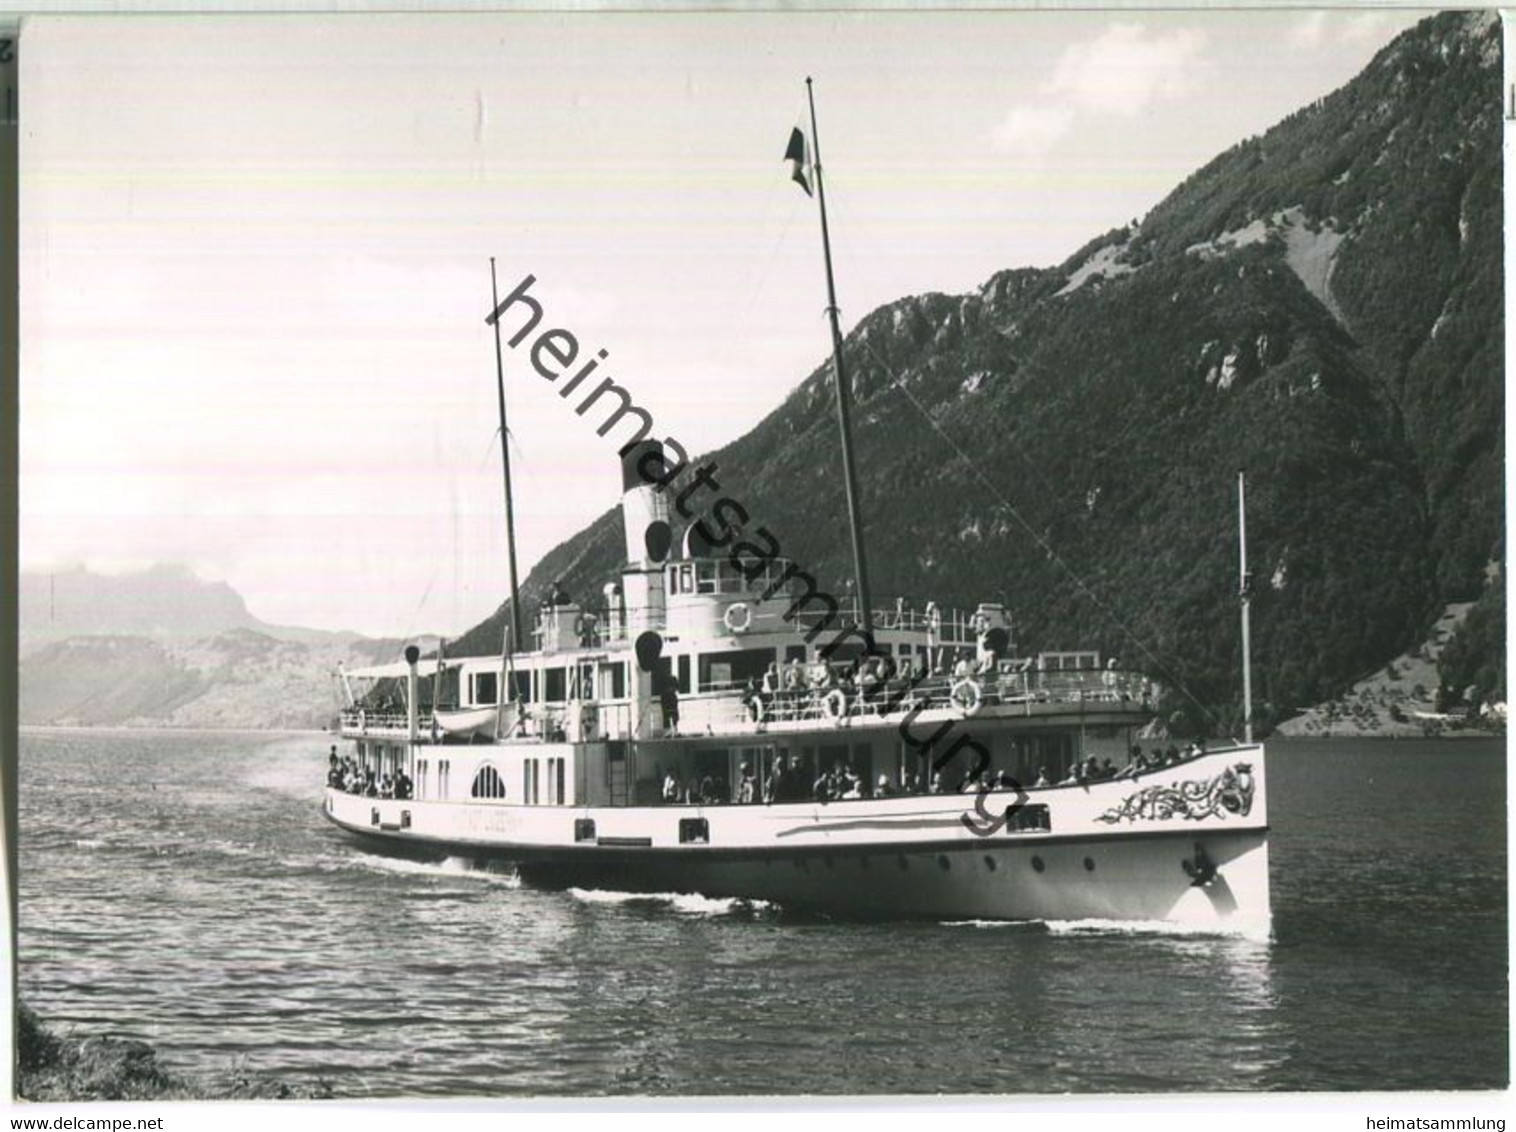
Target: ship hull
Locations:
point(1130, 850)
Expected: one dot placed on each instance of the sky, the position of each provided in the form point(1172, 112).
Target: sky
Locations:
point(255, 251)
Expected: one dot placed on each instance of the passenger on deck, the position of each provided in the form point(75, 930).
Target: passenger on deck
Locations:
point(773, 786)
point(851, 785)
point(1042, 778)
point(822, 789)
point(910, 784)
point(708, 795)
point(962, 670)
point(884, 789)
point(668, 700)
point(795, 683)
point(747, 789)
point(670, 788)
point(771, 680)
point(938, 785)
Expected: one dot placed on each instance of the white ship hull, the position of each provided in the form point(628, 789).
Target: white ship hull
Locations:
point(1188, 843)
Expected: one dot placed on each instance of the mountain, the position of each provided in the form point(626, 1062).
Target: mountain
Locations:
point(165, 602)
point(1320, 306)
point(161, 602)
point(160, 647)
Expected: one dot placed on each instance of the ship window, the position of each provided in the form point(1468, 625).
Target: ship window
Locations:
point(705, 577)
point(686, 580)
point(732, 580)
point(554, 684)
point(1031, 817)
point(562, 776)
point(405, 819)
point(684, 675)
point(694, 831)
point(584, 829)
point(487, 784)
point(486, 687)
point(522, 683)
point(536, 781)
point(617, 673)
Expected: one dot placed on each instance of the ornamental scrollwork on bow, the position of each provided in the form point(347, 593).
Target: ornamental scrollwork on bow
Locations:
point(1230, 792)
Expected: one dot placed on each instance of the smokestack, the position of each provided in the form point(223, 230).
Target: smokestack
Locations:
point(649, 538)
point(644, 507)
point(412, 654)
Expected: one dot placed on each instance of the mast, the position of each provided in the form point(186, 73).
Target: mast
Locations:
point(505, 468)
point(855, 517)
point(1243, 591)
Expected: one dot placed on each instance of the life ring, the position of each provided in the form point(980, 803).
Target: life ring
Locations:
point(835, 704)
point(738, 617)
point(755, 710)
point(967, 696)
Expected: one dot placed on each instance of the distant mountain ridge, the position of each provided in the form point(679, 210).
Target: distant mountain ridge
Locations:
point(163, 602)
point(159, 647)
point(1321, 306)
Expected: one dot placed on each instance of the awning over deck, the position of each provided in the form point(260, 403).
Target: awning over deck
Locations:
point(426, 666)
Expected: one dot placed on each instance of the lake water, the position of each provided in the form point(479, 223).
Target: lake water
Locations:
point(183, 889)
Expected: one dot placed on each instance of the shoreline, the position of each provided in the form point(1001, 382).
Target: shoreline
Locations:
point(53, 1068)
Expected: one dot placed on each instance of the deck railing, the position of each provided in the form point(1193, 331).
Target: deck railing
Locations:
point(733, 708)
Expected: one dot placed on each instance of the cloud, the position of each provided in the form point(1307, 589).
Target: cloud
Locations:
point(1317, 30)
point(1121, 72)
point(1307, 32)
point(1126, 69)
point(1031, 131)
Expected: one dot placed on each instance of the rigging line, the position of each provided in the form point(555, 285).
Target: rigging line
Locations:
point(1051, 492)
point(840, 238)
point(768, 267)
point(410, 624)
point(1041, 541)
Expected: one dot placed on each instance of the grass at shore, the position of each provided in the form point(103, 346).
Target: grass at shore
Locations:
point(70, 1068)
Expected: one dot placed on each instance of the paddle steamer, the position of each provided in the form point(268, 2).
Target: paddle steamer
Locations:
point(559, 759)
point(703, 725)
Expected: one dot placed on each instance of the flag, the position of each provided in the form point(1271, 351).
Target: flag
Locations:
point(799, 157)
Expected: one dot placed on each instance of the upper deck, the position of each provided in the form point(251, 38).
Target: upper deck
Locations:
point(1014, 690)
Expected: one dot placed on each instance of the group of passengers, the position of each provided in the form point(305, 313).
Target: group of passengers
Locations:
point(351, 778)
point(788, 781)
point(789, 690)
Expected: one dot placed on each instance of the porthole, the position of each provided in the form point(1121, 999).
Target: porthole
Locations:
point(1089, 864)
point(1037, 864)
point(944, 864)
point(989, 863)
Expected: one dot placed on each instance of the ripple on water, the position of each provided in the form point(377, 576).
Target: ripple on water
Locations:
point(230, 925)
